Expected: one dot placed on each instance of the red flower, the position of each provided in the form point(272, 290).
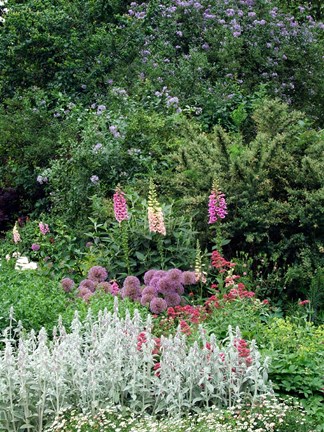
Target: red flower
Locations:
point(304, 302)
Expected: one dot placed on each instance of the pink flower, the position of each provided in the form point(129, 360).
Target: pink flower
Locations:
point(120, 205)
point(156, 220)
point(44, 229)
point(35, 247)
point(304, 302)
point(217, 207)
point(15, 233)
point(154, 212)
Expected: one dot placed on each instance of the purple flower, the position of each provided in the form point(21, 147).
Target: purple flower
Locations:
point(114, 131)
point(67, 284)
point(114, 288)
point(44, 229)
point(89, 244)
point(97, 147)
point(106, 286)
point(230, 12)
point(89, 284)
point(97, 274)
point(146, 299)
point(131, 288)
point(35, 247)
point(251, 14)
point(175, 275)
point(94, 179)
point(172, 299)
point(158, 305)
point(101, 109)
point(189, 278)
point(149, 290)
point(205, 46)
point(217, 207)
point(148, 276)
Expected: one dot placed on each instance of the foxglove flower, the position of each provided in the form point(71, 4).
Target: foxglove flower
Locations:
point(120, 205)
point(154, 212)
point(15, 233)
point(217, 207)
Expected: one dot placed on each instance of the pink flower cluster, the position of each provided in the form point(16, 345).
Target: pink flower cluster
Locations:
point(244, 352)
point(220, 263)
point(95, 281)
point(120, 206)
point(217, 207)
point(44, 229)
point(304, 302)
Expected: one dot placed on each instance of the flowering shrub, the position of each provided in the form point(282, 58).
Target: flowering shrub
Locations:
point(101, 361)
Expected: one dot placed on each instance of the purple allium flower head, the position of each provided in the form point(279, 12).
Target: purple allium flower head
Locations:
point(67, 284)
point(166, 285)
point(148, 276)
point(155, 281)
point(189, 278)
point(82, 290)
point(120, 205)
point(104, 286)
point(132, 281)
point(146, 299)
point(158, 305)
point(97, 274)
point(86, 297)
point(35, 247)
point(179, 289)
point(149, 290)
point(131, 288)
point(175, 275)
point(89, 284)
point(172, 299)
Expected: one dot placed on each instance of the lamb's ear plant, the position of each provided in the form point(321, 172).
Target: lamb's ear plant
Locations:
point(112, 360)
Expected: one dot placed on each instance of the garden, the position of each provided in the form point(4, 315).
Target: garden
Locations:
point(161, 216)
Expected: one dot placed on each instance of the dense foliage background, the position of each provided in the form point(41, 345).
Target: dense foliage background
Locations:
point(100, 93)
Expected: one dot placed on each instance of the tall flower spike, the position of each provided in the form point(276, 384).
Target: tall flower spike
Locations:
point(15, 233)
point(154, 212)
point(120, 205)
point(217, 207)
